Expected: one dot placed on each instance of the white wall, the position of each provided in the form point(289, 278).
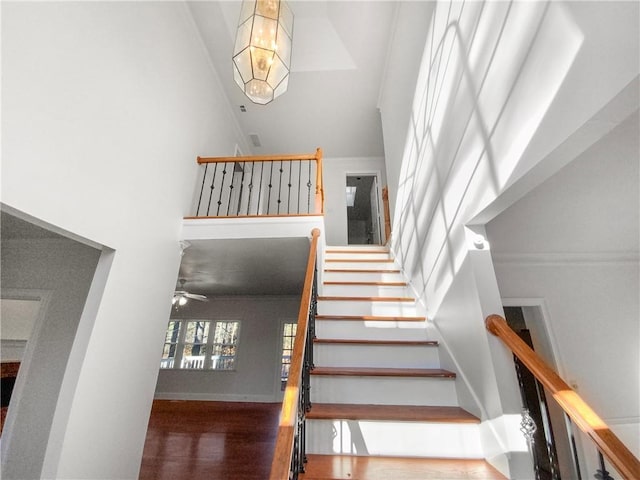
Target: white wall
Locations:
point(335, 172)
point(105, 108)
point(572, 245)
point(257, 374)
point(501, 85)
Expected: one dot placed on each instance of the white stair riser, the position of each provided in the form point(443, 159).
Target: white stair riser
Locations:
point(357, 256)
point(367, 330)
point(366, 291)
point(362, 277)
point(361, 265)
point(389, 356)
point(343, 307)
point(357, 248)
point(407, 439)
point(383, 390)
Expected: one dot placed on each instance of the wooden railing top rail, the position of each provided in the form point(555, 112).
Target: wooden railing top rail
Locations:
point(289, 414)
point(584, 417)
point(264, 158)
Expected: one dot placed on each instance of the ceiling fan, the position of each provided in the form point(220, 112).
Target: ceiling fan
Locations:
point(181, 296)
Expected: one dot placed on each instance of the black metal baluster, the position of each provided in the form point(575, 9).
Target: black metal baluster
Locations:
point(270, 185)
point(280, 187)
point(204, 177)
point(213, 181)
point(250, 187)
point(299, 175)
point(233, 174)
point(260, 188)
point(241, 188)
point(602, 473)
point(309, 189)
point(224, 174)
point(289, 194)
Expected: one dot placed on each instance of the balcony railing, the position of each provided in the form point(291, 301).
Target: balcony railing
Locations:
point(271, 185)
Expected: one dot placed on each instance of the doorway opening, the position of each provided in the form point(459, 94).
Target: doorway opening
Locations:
point(363, 210)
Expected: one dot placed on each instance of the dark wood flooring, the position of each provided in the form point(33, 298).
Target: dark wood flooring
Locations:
point(212, 440)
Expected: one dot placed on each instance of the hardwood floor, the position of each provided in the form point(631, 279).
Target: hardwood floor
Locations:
point(336, 467)
point(212, 440)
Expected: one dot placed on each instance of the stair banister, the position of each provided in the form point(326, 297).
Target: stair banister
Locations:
point(573, 405)
point(285, 179)
point(289, 415)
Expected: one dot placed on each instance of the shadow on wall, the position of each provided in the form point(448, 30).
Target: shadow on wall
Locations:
point(489, 73)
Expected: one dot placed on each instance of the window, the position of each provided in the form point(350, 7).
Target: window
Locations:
point(189, 345)
point(288, 338)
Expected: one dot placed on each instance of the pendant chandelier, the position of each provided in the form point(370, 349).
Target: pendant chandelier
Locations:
point(262, 52)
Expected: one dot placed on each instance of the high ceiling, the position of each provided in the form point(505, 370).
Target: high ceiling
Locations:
point(338, 60)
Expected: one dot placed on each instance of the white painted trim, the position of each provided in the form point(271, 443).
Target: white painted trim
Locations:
point(621, 420)
point(557, 259)
point(46, 226)
point(254, 227)
point(216, 397)
point(44, 298)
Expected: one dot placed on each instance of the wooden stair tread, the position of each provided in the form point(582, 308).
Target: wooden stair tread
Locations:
point(352, 467)
point(357, 341)
point(367, 299)
point(400, 413)
point(383, 372)
point(370, 318)
point(358, 260)
point(377, 284)
point(375, 252)
point(355, 270)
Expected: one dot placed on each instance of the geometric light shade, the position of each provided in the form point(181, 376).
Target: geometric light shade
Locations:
point(262, 51)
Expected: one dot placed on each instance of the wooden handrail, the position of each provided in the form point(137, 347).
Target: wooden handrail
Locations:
point(261, 158)
point(584, 417)
point(281, 463)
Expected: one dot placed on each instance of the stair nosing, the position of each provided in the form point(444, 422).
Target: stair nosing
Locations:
point(356, 252)
point(365, 299)
point(404, 413)
point(383, 372)
point(358, 260)
point(355, 270)
point(374, 284)
point(363, 342)
point(371, 318)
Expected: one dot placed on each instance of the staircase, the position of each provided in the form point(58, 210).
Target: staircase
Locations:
point(382, 408)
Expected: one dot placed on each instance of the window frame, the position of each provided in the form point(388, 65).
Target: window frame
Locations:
point(207, 364)
point(285, 323)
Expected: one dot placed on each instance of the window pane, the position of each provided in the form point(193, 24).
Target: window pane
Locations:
point(195, 339)
point(170, 345)
point(288, 338)
point(225, 341)
point(197, 332)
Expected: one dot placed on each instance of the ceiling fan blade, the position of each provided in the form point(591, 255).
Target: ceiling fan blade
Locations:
point(195, 296)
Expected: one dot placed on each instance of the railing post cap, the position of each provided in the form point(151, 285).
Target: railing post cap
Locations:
point(492, 322)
